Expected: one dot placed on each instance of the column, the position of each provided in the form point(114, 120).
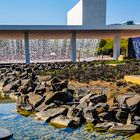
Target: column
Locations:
point(27, 49)
point(73, 47)
point(116, 49)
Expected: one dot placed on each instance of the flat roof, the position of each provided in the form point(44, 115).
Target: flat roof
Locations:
point(66, 27)
point(65, 31)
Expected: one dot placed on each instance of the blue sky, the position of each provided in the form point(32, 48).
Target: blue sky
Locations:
point(53, 12)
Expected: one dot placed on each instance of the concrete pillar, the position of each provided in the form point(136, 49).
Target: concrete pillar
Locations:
point(116, 49)
point(73, 47)
point(27, 49)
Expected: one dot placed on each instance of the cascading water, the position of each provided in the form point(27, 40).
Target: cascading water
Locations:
point(13, 51)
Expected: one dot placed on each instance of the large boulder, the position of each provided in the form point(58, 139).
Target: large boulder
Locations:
point(86, 98)
point(40, 89)
point(107, 116)
point(22, 103)
point(82, 105)
point(125, 129)
point(23, 89)
point(35, 100)
point(102, 127)
point(24, 75)
point(12, 86)
point(75, 114)
point(101, 107)
point(62, 122)
point(14, 95)
point(133, 104)
point(90, 115)
point(50, 113)
point(57, 97)
point(59, 85)
point(122, 116)
point(98, 98)
point(120, 100)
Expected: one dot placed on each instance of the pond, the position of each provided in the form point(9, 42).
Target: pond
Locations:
point(26, 128)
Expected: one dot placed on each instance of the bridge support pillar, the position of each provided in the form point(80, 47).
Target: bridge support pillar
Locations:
point(27, 49)
point(116, 48)
point(73, 47)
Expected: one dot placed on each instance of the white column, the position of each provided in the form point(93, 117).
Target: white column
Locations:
point(116, 48)
point(73, 47)
point(27, 49)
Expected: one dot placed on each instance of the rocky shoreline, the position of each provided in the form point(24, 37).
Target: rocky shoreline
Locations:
point(52, 99)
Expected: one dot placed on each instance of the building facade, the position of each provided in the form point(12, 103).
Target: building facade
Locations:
point(88, 13)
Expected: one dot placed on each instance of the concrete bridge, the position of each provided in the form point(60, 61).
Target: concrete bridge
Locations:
point(72, 32)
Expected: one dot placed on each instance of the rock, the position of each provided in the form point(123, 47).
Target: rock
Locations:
point(122, 116)
point(82, 105)
point(5, 134)
point(101, 107)
point(35, 100)
point(25, 82)
point(8, 87)
point(23, 89)
point(121, 82)
point(136, 120)
point(44, 78)
point(59, 85)
point(91, 115)
point(133, 104)
point(40, 89)
point(58, 97)
point(14, 95)
point(24, 75)
point(128, 129)
point(129, 120)
point(86, 97)
point(74, 112)
point(62, 122)
point(6, 81)
point(98, 98)
point(23, 103)
point(50, 113)
point(107, 116)
point(102, 127)
point(1, 86)
point(26, 107)
point(120, 100)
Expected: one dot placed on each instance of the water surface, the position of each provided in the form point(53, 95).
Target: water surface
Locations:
point(26, 128)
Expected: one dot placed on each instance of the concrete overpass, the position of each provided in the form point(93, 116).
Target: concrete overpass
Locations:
point(27, 32)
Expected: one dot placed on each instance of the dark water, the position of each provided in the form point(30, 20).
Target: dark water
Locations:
point(26, 128)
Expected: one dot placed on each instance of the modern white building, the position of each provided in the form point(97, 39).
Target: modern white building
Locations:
point(88, 13)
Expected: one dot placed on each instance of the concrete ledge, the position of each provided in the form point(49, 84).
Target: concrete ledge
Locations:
point(133, 79)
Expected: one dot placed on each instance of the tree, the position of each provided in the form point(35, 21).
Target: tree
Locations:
point(101, 47)
point(106, 46)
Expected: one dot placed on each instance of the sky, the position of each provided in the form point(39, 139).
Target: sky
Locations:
point(54, 12)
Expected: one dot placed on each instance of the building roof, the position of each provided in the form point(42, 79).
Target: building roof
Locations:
point(64, 31)
point(66, 27)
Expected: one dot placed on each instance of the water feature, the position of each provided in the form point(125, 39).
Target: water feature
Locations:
point(46, 50)
point(26, 128)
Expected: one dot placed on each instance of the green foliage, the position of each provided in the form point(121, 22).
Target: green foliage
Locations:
point(106, 46)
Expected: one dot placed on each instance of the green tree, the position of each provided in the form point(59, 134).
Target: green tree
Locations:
point(102, 44)
point(106, 46)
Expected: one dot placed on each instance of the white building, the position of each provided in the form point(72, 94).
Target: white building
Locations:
point(88, 13)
